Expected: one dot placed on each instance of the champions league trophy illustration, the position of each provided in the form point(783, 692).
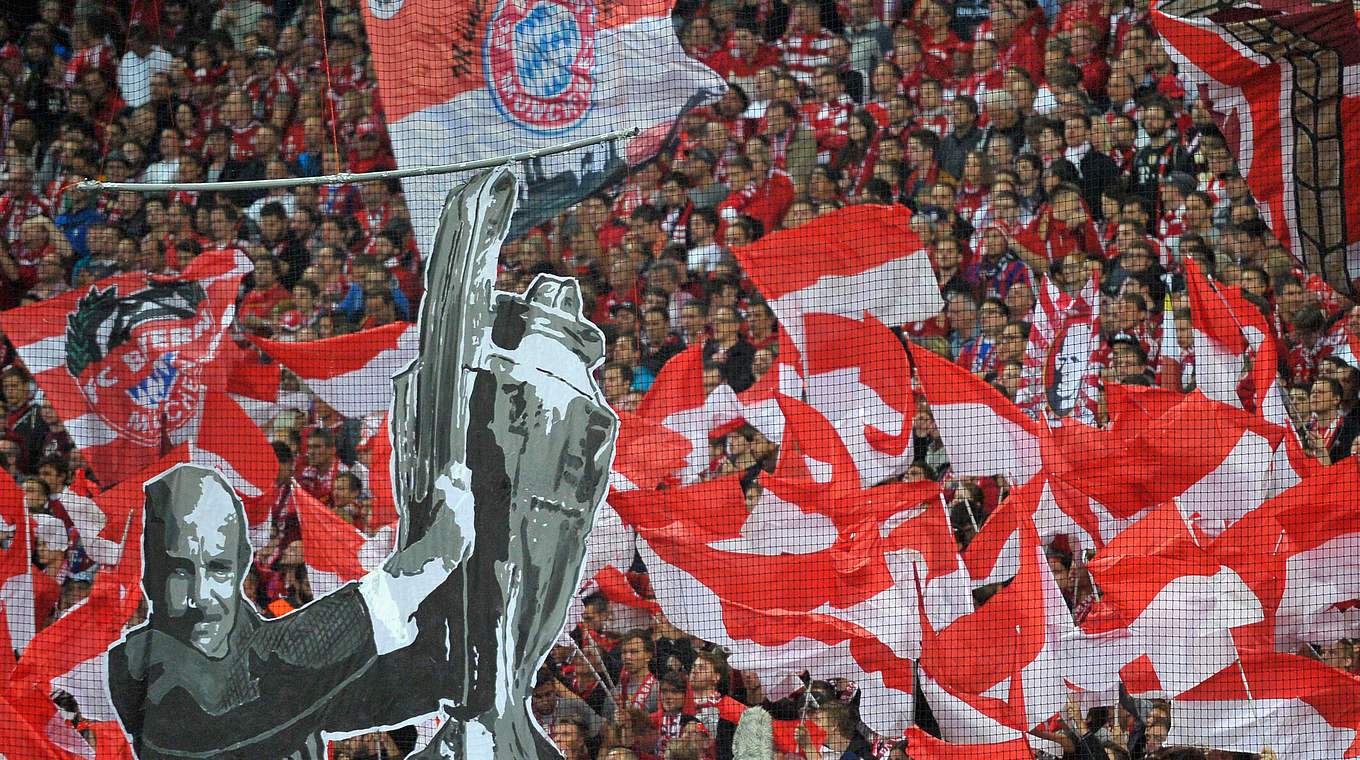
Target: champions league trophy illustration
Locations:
point(502, 445)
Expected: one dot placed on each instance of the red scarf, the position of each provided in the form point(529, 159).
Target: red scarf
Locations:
point(644, 690)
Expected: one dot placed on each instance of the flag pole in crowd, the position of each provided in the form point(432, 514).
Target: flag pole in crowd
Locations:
point(349, 178)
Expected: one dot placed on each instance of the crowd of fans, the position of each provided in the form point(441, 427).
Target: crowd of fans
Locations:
point(1051, 140)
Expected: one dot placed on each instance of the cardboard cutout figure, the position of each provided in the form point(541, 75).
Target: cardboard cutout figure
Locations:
point(502, 445)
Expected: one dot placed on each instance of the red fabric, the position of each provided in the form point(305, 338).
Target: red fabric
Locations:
point(772, 200)
point(923, 746)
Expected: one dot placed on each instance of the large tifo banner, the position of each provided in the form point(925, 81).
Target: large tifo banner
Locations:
point(963, 381)
point(488, 78)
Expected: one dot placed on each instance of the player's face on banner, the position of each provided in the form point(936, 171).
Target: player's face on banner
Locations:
point(204, 556)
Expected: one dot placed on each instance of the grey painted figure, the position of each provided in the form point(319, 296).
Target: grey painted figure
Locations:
point(502, 445)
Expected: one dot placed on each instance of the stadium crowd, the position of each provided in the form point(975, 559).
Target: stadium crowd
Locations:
point(1030, 140)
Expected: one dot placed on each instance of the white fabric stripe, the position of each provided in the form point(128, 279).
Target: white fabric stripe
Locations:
point(982, 443)
point(367, 389)
point(898, 292)
point(17, 595)
point(44, 355)
point(1233, 488)
point(1291, 727)
point(88, 431)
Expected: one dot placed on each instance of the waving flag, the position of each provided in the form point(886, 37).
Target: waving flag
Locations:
point(1058, 371)
point(999, 692)
point(1280, 79)
point(1176, 603)
point(679, 402)
point(1298, 707)
point(486, 78)
point(136, 363)
point(1297, 553)
point(858, 377)
point(335, 551)
point(834, 584)
point(70, 653)
point(352, 373)
point(16, 579)
point(857, 260)
point(1226, 326)
point(983, 431)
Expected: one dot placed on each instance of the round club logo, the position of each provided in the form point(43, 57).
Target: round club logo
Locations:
point(138, 358)
point(540, 55)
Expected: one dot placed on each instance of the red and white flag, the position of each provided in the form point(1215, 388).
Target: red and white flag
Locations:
point(998, 692)
point(1297, 706)
point(1297, 553)
point(496, 77)
point(856, 374)
point(25, 712)
point(335, 551)
point(1175, 604)
point(136, 363)
point(70, 653)
point(352, 373)
point(858, 260)
point(646, 453)
point(1279, 79)
point(1226, 327)
point(679, 401)
point(1228, 331)
point(1213, 458)
point(832, 585)
point(984, 433)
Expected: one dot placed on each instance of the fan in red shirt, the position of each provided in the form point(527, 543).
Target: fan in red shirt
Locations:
point(939, 44)
point(19, 203)
point(744, 55)
point(1017, 46)
point(370, 153)
point(987, 73)
point(774, 195)
point(378, 206)
point(909, 55)
point(805, 45)
point(235, 115)
point(857, 157)
point(624, 288)
point(269, 88)
point(741, 177)
point(37, 238)
point(1065, 226)
point(1086, 53)
point(829, 114)
point(699, 38)
point(347, 69)
point(257, 306)
point(93, 53)
point(318, 469)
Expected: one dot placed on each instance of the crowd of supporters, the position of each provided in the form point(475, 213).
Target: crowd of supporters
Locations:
point(1051, 140)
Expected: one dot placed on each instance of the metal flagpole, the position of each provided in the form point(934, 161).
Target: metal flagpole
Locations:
point(602, 678)
point(350, 177)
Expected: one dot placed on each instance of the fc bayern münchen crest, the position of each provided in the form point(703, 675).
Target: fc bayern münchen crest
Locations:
point(539, 57)
point(138, 358)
